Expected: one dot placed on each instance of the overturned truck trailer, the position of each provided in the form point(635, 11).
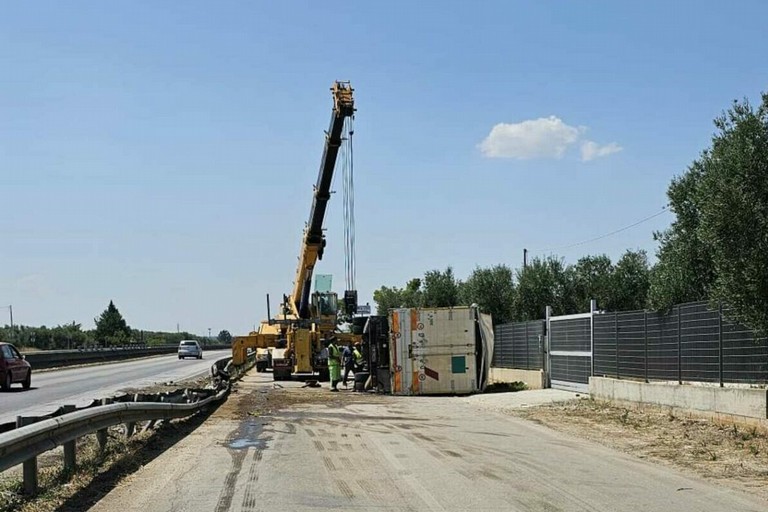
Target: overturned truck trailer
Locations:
point(439, 351)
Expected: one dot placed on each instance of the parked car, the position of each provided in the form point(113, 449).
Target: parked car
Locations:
point(190, 348)
point(13, 368)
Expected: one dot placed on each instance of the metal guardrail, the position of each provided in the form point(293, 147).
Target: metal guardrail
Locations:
point(29, 441)
point(34, 436)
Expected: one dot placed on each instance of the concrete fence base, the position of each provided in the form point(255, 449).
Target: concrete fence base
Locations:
point(534, 379)
point(739, 405)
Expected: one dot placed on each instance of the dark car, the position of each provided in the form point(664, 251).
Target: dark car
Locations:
point(13, 368)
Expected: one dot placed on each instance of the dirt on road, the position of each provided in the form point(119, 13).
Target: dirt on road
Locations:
point(736, 455)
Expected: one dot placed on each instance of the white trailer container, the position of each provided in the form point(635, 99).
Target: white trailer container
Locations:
point(439, 351)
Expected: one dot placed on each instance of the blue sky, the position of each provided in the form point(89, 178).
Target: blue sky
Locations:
point(162, 155)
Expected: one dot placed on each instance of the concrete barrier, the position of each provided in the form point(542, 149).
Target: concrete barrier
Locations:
point(534, 379)
point(59, 358)
point(731, 404)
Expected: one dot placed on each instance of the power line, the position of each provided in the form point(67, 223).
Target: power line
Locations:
point(606, 235)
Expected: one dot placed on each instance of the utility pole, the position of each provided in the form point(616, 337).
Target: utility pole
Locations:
point(525, 258)
point(209, 334)
point(177, 327)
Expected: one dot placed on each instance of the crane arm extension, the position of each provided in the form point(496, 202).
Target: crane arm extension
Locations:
point(314, 239)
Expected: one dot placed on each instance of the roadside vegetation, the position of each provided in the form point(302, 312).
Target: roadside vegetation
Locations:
point(111, 330)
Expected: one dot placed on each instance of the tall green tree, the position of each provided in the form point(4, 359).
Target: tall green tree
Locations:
point(733, 205)
point(224, 337)
point(591, 279)
point(544, 282)
point(684, 271)
point(441, 289)
point(630, 282)
point(111, 328)
point(716, 248)
point(493, 290)
point(387, 298)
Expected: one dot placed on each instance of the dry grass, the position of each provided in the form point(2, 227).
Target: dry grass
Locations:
point(97, 471)
point(733, 454)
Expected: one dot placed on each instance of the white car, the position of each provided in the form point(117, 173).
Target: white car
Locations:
point(190, 348)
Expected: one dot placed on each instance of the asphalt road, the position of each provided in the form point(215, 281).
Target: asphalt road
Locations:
point(78, 386)
point(403, 453)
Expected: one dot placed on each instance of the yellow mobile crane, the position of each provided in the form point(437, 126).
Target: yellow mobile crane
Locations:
point(293, 340)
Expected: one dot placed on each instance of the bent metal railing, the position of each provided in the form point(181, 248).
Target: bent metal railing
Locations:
point(34, 436)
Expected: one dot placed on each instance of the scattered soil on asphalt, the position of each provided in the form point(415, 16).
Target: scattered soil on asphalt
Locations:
point(736, 455)
point(255, 399)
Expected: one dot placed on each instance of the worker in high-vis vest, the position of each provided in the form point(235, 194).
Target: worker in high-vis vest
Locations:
point(357, 355)
point(334, 362)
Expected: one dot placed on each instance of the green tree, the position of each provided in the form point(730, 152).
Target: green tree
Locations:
point(493, 290)
point(733, 205)
point(387, 298)
point(224, 337)
point(591, 278)
point(630, 282)
point(716, 248)
point(413, 295)
point(544, 282)
point(684, 271)
point(441, 289)
point(111, 328)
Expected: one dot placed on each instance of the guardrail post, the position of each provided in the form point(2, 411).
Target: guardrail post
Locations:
point(101, 435)
point(70, 459)
point(130, 429)
point(30, 465)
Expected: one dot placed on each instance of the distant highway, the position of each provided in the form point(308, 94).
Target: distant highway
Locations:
point(78, 386)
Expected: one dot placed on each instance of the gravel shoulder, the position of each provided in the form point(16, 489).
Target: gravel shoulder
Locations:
point(729, 454)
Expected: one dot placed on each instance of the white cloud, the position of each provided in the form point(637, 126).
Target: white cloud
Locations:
point(591, 150)
point(546, 137)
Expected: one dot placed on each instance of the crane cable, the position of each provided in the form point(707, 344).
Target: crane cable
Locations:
point(348, 188)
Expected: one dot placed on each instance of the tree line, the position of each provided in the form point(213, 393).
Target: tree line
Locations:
point(111, 331)
point(716, 249)
point(523, 294)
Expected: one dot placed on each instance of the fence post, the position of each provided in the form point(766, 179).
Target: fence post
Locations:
point(70, 458)
point(679, 347)
point(592, 310)
point(30, 465)
point(720, 338)
point(547, 360)
point(616, 339)
point(527, 351)
point(645, 329)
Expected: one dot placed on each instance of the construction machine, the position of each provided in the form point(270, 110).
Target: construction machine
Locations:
point(292, 343)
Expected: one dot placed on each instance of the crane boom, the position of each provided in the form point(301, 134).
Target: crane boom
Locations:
point(314, 239)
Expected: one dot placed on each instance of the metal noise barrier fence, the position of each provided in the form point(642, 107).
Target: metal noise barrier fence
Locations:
point(691, 343)
point(519, 345)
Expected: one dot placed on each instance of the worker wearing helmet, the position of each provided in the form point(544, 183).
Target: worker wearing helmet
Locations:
point(334, 362)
